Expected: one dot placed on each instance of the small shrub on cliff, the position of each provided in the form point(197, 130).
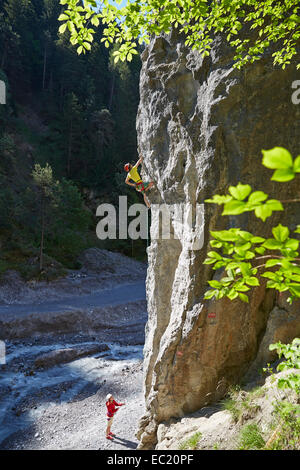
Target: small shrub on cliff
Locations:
point(250, 437)
point(247, 257)
point(231, 403)
point(287, 433)
point(191, 443)
point(241, 404)
point(287, 415)
point(291, 353)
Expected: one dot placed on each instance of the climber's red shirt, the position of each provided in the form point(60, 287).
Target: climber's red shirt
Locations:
point(111, 408)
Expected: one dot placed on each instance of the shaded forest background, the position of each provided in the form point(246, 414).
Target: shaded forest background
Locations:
point(65, 133)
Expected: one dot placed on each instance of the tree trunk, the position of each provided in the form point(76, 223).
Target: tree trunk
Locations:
point(61, 99)
point(112, 88)
point(44, 68)
point(4, 55)
point(51, 82)
point(70, 148)
point(42, 234)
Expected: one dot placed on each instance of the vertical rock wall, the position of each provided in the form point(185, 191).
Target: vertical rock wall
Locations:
point(201, 127)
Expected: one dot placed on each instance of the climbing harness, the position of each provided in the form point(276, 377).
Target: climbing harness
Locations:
point(142, 183)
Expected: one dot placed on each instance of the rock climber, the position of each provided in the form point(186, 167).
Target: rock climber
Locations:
point(140, 185)
point(111, 410)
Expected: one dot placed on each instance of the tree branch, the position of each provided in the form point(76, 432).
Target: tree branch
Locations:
point(290, 200)
point(274, 256)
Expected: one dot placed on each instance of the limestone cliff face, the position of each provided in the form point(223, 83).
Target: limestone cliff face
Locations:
point(201, 127)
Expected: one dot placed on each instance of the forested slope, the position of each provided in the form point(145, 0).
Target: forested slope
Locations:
point(72, 115)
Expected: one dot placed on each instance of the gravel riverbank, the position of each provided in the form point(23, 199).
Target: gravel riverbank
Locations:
point(68, 344)
point(63, 407)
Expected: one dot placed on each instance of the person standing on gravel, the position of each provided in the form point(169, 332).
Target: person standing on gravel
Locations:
point(111, 410)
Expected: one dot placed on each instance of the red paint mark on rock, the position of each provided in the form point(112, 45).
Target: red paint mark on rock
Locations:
point(211, 315)
point(179, 353)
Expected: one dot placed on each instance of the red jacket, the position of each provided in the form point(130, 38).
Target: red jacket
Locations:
point(111, 408)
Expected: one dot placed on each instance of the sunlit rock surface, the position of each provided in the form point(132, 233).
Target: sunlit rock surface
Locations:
point(201, 127)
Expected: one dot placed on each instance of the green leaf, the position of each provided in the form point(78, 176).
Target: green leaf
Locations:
point(257, 196)
point(293, 277)
point(270, 275)
point(209, 294)
point(234, 207)
point(280, 233)
point(241, 250)
point(233, 265)
point(272, 244)
point(226, 279)
point(245, 269)
point(232, 294)
point(277, 158)
point(209, 261)
point(219, 199)
point(219, 264)
point(241, 287)
point(95, 21)
point(292, 244)
point(214, 254)
point(215, 243)
point(63, 17)
point(252, 281)
point(295, 290)
point(245, 246)
point(71, 27)
point(274, 205)
point(240, 191)
point(215, 284)
point(271, 262)
point(243, 297)
point(246, 235)
point(263, 212)
point(257, 240)
point(224, 235)
point(62, 28)
point(284, 175)
point(297, 164)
